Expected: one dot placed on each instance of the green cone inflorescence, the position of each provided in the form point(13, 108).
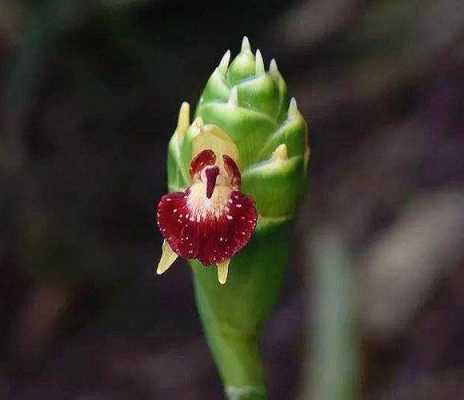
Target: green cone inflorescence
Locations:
point(243, 113)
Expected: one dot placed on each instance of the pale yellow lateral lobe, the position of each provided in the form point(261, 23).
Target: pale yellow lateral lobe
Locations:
point(222, 271)
point(214, 138)
point(183, 120)
point(167, 258)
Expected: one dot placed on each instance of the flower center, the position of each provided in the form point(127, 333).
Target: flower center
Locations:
point(202, 207)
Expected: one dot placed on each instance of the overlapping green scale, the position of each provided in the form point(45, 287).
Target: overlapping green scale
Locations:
point(253, 107)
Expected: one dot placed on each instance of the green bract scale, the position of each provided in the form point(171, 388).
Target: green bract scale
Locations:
point(236, 175)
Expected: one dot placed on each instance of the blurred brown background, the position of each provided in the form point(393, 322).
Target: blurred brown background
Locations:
point(89, 95)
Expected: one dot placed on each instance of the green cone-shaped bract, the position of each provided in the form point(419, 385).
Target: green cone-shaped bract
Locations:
point(252, 107)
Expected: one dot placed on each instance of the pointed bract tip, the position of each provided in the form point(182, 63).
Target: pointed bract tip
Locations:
point(259, 64)
point(167, 258)
point(233, 96)
point(273, 67)
point(224, 64)
point(222, 271)
point(198, 123)
point(245, 44)
point(293, 107)
point(183, 121)
point(293, 103)
point(280, 153)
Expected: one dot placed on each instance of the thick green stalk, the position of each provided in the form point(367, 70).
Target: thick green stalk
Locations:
point(233, 314)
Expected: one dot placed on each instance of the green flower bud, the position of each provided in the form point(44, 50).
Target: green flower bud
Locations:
point(245, 114)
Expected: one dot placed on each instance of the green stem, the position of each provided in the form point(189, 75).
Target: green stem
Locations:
point(236, 354)
point(233, 314)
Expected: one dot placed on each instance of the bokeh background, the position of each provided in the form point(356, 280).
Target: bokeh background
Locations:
point(373, 304)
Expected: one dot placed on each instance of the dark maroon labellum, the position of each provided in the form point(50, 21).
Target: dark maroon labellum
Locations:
point(211, 220)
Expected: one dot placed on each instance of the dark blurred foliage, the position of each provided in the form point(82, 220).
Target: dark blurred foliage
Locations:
point(89, 95)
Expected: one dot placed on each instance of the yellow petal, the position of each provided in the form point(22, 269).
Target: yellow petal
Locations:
point(222, 270)
point(214, 138)
point(167, 258)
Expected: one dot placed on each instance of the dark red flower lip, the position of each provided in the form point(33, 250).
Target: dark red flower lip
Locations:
point(210, 237)
point(211, 220)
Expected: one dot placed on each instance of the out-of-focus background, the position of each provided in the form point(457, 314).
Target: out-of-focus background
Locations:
point(89, 95)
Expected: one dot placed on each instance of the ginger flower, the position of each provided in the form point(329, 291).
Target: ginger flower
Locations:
point(211, 220)
point(248, 138)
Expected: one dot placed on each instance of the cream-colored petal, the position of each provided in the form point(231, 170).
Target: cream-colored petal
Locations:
point(214, 138)
point(222, 271)
point(167, 258)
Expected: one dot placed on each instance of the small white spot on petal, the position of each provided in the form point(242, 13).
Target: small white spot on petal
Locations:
point(175, 210)
point(243, 233)
point(238, 205)
point(221, 239)
point(230, 218)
